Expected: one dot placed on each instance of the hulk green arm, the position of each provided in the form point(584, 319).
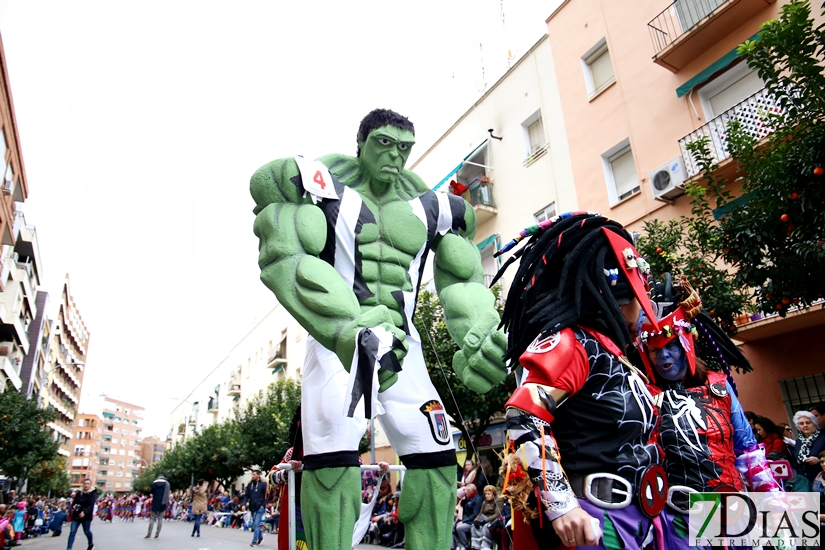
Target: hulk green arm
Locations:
point(292, 233)
point(469, 309)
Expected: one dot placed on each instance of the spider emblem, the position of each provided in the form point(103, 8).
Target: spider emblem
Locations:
point(684, 407)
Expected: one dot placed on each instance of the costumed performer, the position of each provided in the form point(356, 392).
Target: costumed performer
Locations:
point(708, 443)
point(343, 243)
point(582, 424)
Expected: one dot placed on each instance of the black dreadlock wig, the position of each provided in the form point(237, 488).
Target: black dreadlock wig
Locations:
point(561, 282)
point(381, 117)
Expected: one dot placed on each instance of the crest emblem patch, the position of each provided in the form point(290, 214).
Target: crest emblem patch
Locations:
point(437, 419)
point(545, 344)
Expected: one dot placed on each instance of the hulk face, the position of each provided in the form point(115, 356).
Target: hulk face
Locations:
point(385, 152)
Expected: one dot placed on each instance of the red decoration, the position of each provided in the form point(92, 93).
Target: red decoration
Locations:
point(818, 171)
point(794, 196)
point(784, 218)
point(458, 188)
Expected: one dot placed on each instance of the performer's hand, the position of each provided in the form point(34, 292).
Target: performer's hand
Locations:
point(385, 467)
point(378, 316)
point(575, 528)
point(480, 362)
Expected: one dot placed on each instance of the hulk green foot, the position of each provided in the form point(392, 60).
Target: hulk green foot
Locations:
point(426, 508)
point(330, 506)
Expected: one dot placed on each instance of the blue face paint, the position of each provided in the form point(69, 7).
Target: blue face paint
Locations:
point(671, 361)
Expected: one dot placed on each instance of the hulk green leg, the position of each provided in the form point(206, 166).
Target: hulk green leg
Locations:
point(426, 508)
point(330, 506)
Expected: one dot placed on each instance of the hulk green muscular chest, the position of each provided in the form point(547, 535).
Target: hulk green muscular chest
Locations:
point(388, 249)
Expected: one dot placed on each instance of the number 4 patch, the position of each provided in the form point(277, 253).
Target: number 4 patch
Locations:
point(316, 179)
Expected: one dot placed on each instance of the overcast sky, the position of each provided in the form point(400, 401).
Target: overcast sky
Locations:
point(141, 123)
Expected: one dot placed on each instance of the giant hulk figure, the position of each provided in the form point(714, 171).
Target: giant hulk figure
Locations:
point(343, 242)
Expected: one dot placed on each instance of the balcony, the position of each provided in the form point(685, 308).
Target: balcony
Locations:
point(212, 406)
point(193, 420)
point(480, 196)
point(752, 114)
point(688, 28)
point(234, 389)
point(9, 317)
point(10, 371)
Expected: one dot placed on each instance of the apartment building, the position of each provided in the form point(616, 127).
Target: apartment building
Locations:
point(636, 86)
point(152, 450)
point(34, 368)
point(85, 459)
point(507, 155)
point(272, 350)
point(64, 367)
point(18, 264)
point(120, 447)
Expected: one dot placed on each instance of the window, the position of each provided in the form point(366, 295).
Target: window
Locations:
point(108, 484)
point(489, 264)
point(3, 147)
point(532, 131)
point(729, 89)
point(800, 394)
point(117, 485)
point(103, 472)
point(545, 213)
point(598, 69)
point(122, 452)
point(620, 172)
point(119, 474)
point(104, 450)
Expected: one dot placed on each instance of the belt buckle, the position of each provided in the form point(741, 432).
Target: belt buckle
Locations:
point(679, 489)
point(627, 493)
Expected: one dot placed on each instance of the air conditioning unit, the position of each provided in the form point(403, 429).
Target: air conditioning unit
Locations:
point(668, 181)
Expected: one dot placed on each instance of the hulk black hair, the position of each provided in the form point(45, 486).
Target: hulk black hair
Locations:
point(561, 282)
point(381, 117)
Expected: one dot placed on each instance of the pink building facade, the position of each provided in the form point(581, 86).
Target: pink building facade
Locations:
point(637, 82)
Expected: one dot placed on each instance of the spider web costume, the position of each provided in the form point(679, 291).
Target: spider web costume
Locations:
point(568, 334)
point(707, 441)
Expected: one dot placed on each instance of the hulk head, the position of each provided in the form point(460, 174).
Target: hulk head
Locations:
point(385, 139)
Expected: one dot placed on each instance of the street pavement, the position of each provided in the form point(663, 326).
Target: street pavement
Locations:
point(175, 535)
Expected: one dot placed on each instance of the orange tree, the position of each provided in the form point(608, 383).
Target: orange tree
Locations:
point(766, 243)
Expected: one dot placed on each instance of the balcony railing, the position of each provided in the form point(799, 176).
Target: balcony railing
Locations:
point(480, 195)
point(234, 389)
point(679, 18)
point(752, 114)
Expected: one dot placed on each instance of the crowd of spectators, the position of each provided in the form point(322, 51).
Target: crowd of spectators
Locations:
point(482, 517)
point(28, 516)
point(801, 444)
